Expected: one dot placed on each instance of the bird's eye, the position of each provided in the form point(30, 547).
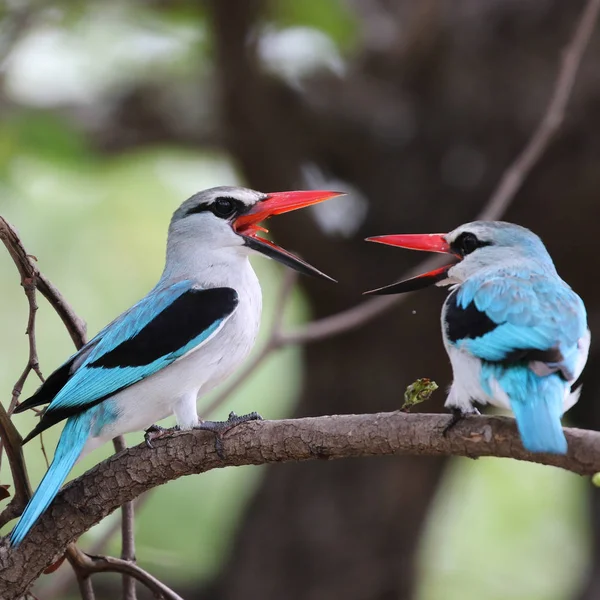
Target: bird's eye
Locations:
point(224, 207)
point(467, 243)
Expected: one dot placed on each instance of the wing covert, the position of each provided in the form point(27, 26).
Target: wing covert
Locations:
point(517, 317)
point(191, 318)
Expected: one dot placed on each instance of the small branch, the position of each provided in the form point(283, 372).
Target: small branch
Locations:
point(85, 587)
point(74, 325)
point(105, 564)
point(33, 361)
point(127, 534)
point(501, 198)
point(11, 440)
point(13, 443)
point(62, 580)
point(553, 118)
point(28, 270)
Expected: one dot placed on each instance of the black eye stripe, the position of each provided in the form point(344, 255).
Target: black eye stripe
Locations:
point(219, 207)
point(466, 243)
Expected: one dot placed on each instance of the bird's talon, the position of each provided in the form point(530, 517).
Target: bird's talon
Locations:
point(220, 428)
point(155, 432)
point(457, 416)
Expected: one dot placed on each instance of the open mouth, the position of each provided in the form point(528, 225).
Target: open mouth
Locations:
point(277, 203)
point(427, 242)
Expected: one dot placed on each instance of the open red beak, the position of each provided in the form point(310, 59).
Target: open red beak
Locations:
point(277, 203)
point(428, 242)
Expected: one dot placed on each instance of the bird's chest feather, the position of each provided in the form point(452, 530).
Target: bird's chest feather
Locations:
point(214, 361)
point(225, 352)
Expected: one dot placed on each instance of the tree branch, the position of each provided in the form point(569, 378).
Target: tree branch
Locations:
point(29, 271)
point(62, 580)
point(32, 279)
point(104, 564)
point(553, 117)
point(122, 477)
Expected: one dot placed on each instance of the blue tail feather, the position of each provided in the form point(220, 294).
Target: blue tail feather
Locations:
point(70, 445)
point(538, 409)
point(537, 403)
point(539, 424)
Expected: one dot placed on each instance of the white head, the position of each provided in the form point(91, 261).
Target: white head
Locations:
point(477, 245)
point(220, 225)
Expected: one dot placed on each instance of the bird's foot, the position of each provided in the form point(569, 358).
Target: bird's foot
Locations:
point(220, 428)
point(458, 414)
point(155, 432)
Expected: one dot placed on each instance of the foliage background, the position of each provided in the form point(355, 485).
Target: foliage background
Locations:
point(92, 201)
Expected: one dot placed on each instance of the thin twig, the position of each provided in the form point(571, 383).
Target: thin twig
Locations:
point(104, 564)
point(85, 586)
point(501, 198)
point(73, 323)
point(553, 118)
point(62, 580)
point(13, 443)
point(43, 449)
point(32, 279)
point(73, 554)
point(10, 438)
point(127, 534)
point(29, 286)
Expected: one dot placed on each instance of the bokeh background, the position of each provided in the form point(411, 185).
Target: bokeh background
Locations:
point(112, 113)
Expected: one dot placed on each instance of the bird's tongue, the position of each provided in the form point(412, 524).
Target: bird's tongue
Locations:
point(278, 203)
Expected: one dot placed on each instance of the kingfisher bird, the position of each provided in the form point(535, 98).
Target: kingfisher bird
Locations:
point(515, 332)
point(187, 335)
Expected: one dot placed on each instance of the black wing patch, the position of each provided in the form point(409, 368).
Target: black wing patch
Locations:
point(471, 323)
point(46, 392)
point(187, 317)
point(467, 322)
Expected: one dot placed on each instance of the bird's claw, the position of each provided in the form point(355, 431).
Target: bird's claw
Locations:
point(220, 428)
point(457, 416)
point(154, 432)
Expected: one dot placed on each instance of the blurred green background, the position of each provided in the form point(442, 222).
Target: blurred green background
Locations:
point(92, 202)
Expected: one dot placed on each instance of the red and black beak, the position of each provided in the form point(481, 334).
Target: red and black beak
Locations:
point(278, 203)
point(428, 242)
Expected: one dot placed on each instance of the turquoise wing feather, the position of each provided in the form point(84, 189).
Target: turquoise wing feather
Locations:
point(164, 326)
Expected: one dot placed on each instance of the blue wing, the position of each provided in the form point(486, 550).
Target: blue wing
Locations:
point(515, 316)
point(151, 335)
point(528, 328)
